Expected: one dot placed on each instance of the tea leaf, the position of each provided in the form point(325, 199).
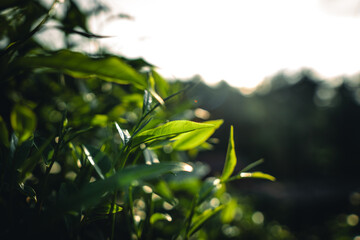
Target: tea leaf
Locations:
point(230, 161)
point(91, 194)
point(202, 218)
point(160, 216)
point(190, 140)
point(170, 129)
point(252, 165)
point(23, 122)
point(255, 175)
point(162, 86)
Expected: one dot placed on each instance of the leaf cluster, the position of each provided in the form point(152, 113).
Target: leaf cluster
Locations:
point(90, 145)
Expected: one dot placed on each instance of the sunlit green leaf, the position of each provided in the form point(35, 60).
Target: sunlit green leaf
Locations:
point(23, 122)
point(229, 212)
point(161, 85)
point(111, 69)
point(4, 134)
point(107, 208)
point(160, 216)
point(124, 134)
point(230, 161)
point(170, 129)
point(255, 175)
point(187, 141)
point(202, 218)
point(99, 120)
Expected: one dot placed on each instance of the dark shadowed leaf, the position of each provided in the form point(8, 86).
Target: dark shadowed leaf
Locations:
point(4, 134)
point(202, 218)
point(111, 69)
point(91, 194)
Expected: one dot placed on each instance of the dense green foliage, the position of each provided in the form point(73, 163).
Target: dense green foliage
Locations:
point(96, 146)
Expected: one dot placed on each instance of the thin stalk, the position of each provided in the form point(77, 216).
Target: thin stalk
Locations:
point(190, 217)
point(48, 169)
point(159, 104)
point(113, 216)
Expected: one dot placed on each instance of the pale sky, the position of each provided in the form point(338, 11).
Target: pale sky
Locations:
point(239, 41)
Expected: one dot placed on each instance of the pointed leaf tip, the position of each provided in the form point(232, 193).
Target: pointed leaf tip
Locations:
point(230, 161)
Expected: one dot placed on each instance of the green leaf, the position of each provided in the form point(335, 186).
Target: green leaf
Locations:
point(107, 208)
point(163, 190)
point(29, 164)
point(160, 216)
point(20, 151)
point(151, 83)
point(93, 162)
point(111, 69)
point(161, 85)
point(27, 190)
point(124, 134)
point(190, 140)
point(202, 218)
point(230, 161)
point(91, 194)
point(99, 120)
point(4, 134)
point(208, 188)
point(23, 122)
point(168, 130)
point(101, 160)
point(147, 102)
point(255, 175)
point(252, 165)
point(229, 212)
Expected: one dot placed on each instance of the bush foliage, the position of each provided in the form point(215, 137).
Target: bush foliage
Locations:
point(97, 146)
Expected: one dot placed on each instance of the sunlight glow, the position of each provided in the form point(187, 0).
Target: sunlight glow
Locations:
point(241, 42)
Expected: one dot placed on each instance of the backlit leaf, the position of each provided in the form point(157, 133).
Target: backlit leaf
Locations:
point(23, 122)
point(111, 69)
point(230, 161)
point(170, 129)
point(160, 216)
point(255, 175)
point(190, 140)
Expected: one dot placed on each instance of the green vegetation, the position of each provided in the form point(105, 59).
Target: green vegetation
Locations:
point(91, 146)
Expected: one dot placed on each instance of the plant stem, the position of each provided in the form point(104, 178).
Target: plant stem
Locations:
point(113, 216)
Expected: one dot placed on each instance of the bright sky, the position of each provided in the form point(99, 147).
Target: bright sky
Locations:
point(239, 41)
